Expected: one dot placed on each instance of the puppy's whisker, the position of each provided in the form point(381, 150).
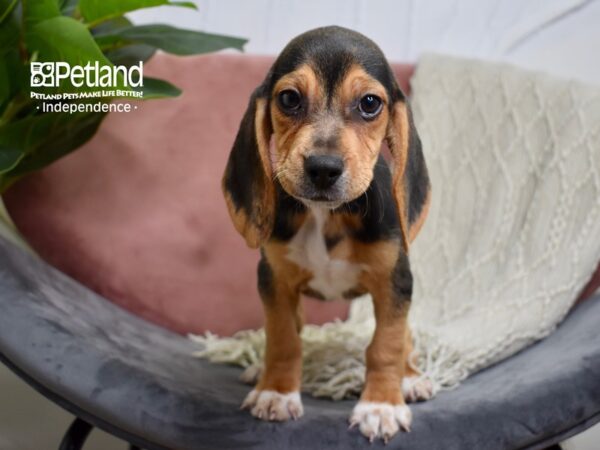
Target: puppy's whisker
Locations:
point(382, 202)
point(277, 175)
point(365, 212)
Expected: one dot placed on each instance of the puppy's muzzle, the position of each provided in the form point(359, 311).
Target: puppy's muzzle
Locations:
point(323, 171)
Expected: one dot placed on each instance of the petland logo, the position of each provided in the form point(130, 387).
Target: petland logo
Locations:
point(51, 74)
point(56, 82)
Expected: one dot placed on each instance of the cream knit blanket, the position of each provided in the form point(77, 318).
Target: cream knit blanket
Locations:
point(512, 237)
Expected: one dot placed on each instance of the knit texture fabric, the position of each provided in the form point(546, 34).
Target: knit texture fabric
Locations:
point(513, 232)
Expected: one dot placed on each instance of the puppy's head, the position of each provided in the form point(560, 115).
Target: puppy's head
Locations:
point(316, 125)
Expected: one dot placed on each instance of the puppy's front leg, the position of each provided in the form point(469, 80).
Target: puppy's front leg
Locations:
point(381, 411)
point(277, 394)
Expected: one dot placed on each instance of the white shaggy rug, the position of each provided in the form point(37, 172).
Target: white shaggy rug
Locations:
point(512, 237)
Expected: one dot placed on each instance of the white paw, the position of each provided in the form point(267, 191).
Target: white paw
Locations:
point(271, 405)
point(380, 420)
point(417, 389)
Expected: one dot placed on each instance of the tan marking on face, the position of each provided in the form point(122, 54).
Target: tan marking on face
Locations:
point(290, 156)
point(359, 141)
point(292, 136)
point(360, 156)
point(356, 84)
point(304, 80)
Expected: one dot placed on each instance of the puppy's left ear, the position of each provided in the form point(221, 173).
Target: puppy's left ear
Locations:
point(247, 182)
point(410, 179)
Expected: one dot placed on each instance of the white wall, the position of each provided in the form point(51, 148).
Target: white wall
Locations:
point(559, 36)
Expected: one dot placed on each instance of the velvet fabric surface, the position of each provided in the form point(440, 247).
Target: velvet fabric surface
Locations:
point(140, 382)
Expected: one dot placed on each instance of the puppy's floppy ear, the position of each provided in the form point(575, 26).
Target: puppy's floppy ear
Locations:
point(410, 179)
point(247, 183)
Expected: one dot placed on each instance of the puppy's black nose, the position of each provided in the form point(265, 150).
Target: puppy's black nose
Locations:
point(323, 170)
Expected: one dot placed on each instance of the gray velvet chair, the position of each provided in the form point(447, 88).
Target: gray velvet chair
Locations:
point(139, 382)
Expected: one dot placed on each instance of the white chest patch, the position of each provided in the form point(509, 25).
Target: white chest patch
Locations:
point(331, 277)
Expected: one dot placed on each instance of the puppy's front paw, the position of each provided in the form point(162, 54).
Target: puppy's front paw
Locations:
point(272, 405)
point(417, 389)
point(380, 420)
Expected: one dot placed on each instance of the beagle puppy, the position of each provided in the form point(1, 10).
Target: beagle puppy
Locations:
point(307, 184)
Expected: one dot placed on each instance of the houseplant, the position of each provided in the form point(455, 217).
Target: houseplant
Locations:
point(78, 33)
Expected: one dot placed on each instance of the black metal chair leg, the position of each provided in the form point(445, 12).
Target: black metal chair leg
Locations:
point(76, 435)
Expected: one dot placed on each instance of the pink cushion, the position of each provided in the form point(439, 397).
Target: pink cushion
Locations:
point(137, 214)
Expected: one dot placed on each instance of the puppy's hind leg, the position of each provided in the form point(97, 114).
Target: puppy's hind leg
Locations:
point(416, 387)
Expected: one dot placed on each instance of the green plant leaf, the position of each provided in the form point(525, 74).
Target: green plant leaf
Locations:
point(66, 39)
point(131, 54)
point(97, 11)
point(7, 8)
point(5, 81)
point(155, 88)
point(37, 10)
point(11, 71)
point(128, 55)
point(68, 7)
point(42, 139)
point(111, 25)
point(170, 39)
point(9, 158)
point(9, 25)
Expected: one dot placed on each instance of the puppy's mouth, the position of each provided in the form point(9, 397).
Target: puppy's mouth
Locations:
point(321, 201)
point(329, 197)
point(320, 198)
point(306, 194)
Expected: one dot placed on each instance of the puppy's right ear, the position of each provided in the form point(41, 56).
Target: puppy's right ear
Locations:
point(410, 179)
point(247, 183)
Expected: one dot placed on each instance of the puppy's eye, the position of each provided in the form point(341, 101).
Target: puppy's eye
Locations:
point(289, 100)
point(369, 106)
